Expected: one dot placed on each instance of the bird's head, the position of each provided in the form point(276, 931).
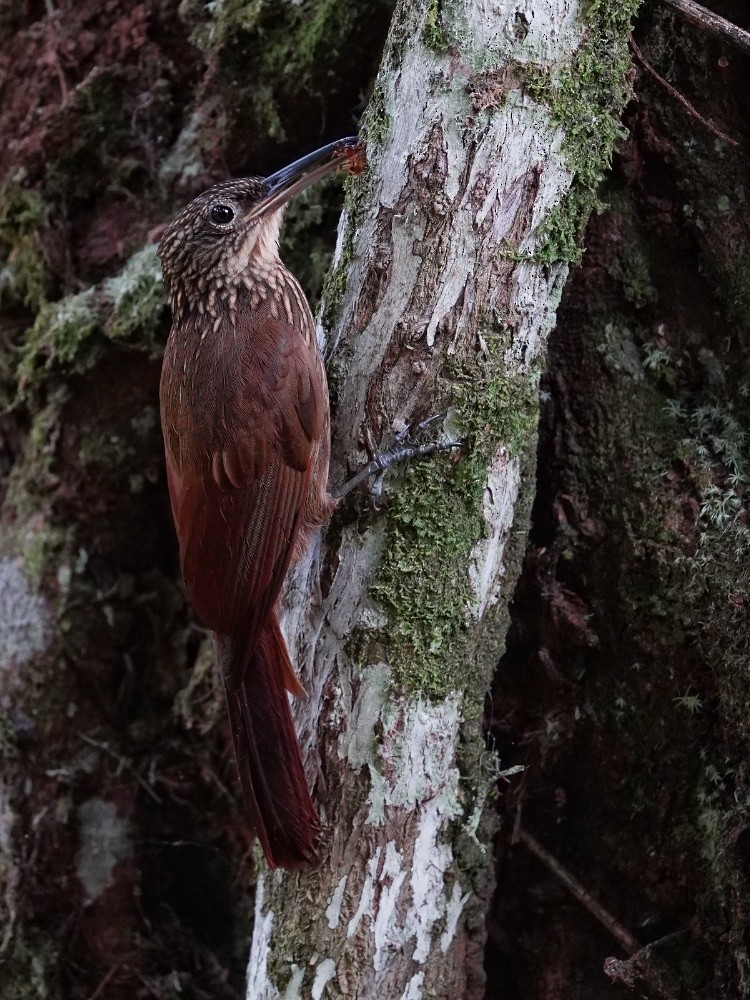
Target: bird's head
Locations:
point(216, 237)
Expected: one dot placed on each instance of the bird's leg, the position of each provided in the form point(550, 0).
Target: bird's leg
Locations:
point(403, 450)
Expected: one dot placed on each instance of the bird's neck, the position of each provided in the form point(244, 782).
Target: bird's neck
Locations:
point(248, 282)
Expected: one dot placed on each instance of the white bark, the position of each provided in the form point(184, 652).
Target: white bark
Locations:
point(451, 187)
point(26, 625)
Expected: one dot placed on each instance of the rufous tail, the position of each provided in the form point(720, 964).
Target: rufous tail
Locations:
point(265, 745)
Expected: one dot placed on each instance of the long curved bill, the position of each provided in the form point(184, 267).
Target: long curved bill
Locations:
point(289, 181)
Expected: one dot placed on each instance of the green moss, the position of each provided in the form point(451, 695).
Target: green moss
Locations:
point(358, 198)
point(435, 520)
point(58, 336)
point(305, 240)
point(433, 34)
point(295, 37)
point(134, 300)
point(421, 584)
point(374, 128)
point(358, 192)
point(71, 335)
point(328, 28)
point(560, 235)
point(676, 515)
point(585, 98)
point(336, 279)
point(118, 451)
point(436, 515)
point(292, 46)
point(713, 815)
point(228, 17)
point(23, 267)
point(102, 152)
point(632, 270)
point(41, 550)
point(29, 969)
point(376, 122)
point(29, 528)
point(492, 405)
point(105, 450)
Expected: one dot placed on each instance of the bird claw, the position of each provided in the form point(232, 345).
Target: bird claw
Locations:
point(412, 431)
point(405, 449)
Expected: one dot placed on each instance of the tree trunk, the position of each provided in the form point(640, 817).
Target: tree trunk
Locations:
point(624, 689)
point(124, 850)
point(448, 271)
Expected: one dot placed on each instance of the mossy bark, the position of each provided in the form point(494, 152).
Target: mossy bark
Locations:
point(443, 290)
point(624, 691)
point(123, 846)
point(123, 849)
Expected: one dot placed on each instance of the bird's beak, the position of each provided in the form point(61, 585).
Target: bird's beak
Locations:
point(289, 181)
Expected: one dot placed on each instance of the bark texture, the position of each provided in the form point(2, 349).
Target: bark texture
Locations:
point(624, 690)
point(123, 850)
point(487, 132)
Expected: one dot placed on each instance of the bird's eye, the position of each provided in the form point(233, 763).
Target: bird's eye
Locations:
point(221, 214)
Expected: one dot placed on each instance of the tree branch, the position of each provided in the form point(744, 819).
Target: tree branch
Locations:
point(571, 883)
point(711, 22)
point(691, 110)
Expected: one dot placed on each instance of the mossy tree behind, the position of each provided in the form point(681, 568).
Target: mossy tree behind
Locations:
point(625, 687)
point(123, 847)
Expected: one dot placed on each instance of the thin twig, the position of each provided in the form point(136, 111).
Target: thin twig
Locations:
point(626, 939)
point(709, 21)
point(144, 982)
point(679, 98)
point(100, 988)
point(123, 762)
point(178, 843)
point(646, 968)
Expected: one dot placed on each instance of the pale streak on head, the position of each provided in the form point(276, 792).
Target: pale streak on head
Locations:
point(259, 250)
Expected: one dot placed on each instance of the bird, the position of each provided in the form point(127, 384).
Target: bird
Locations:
point(246, 425)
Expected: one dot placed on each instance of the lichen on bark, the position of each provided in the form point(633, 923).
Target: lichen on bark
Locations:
point(396, 617)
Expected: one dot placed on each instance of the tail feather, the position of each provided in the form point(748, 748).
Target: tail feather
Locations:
point(265, 745)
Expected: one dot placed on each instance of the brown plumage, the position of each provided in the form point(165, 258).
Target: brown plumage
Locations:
point(244, 407)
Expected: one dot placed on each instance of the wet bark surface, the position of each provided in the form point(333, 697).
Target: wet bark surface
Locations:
point(623, 689)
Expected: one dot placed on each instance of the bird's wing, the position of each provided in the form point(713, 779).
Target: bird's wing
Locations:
point(237, 517)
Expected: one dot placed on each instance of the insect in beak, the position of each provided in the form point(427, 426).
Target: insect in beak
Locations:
point(289, 181)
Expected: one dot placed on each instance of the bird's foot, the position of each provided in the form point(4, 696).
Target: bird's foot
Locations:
point(405, 448)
